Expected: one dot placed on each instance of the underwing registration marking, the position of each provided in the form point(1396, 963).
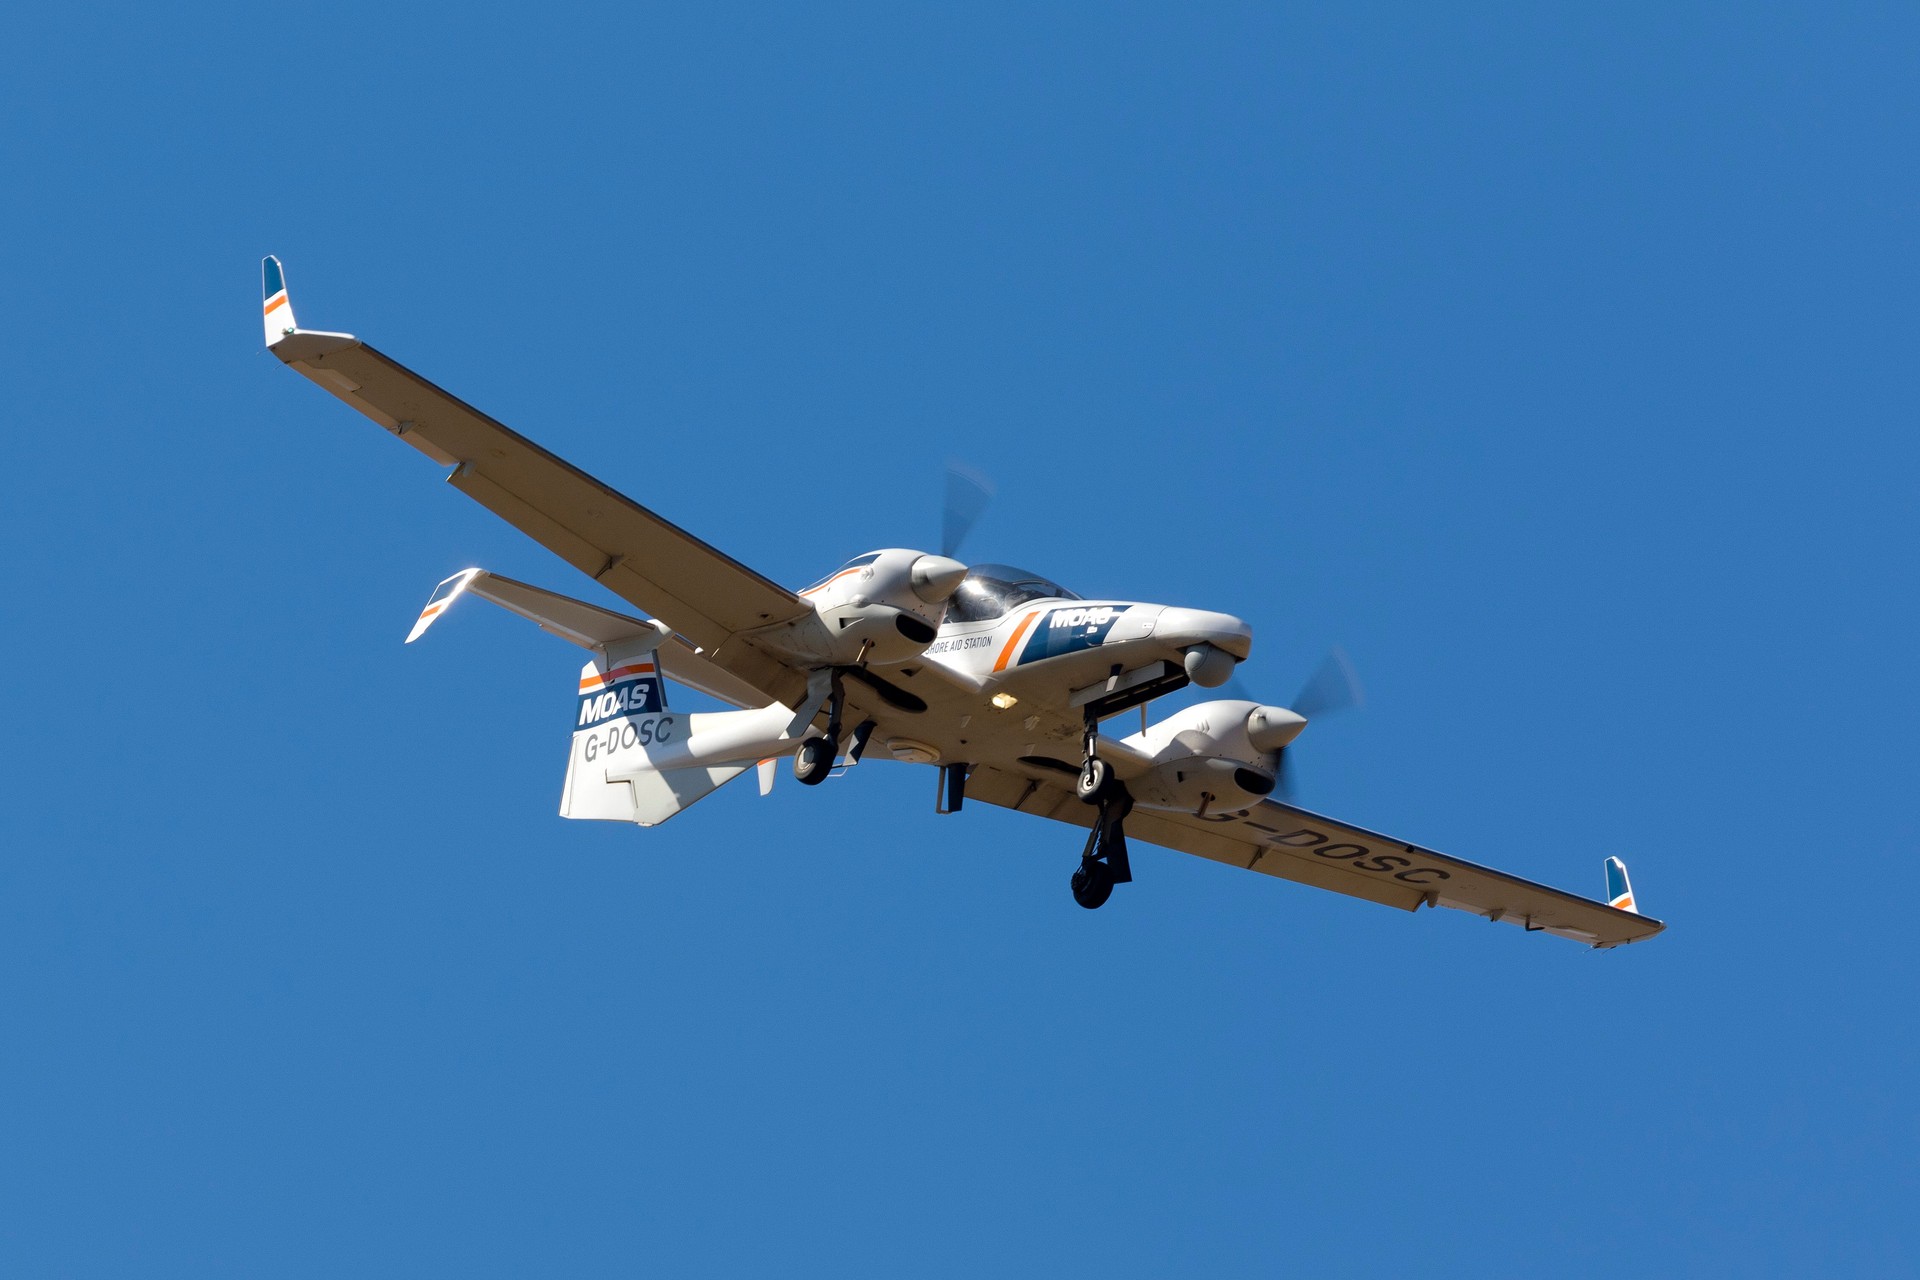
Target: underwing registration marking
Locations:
point(1358, 856)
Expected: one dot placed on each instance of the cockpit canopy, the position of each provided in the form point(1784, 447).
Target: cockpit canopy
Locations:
point(990, 590)
point(858, 562)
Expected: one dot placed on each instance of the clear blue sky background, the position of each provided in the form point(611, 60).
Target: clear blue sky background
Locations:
point(1561, 365)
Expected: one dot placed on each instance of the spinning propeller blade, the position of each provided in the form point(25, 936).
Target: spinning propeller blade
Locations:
point(1333, 686)
point(968, 494)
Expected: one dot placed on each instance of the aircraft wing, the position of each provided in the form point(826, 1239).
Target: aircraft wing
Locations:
point(1281, 840)
point(702, 593)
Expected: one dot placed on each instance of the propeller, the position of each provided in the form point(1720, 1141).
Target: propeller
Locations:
point(1333, 686)
point(967, 497)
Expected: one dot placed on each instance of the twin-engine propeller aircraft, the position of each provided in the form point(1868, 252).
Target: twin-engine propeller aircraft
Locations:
point(1001, 678)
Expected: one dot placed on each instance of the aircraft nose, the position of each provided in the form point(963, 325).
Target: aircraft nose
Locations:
point(1201, 626)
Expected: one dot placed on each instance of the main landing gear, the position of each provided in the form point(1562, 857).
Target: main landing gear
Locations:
point(1103, 862)
point(814, 761)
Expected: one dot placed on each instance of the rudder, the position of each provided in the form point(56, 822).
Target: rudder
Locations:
point(620, 717)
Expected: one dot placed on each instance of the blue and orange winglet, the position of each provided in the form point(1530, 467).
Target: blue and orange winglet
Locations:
point(1619, 888)
point(276, 311)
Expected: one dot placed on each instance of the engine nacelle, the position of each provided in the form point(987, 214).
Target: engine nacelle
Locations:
point(1215, 757)
point(880, 608)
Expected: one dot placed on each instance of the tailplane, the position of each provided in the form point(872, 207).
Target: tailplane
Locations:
point(632, 759)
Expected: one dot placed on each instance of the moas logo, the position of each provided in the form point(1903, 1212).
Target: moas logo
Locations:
point(1070, 630)
point(624, 691)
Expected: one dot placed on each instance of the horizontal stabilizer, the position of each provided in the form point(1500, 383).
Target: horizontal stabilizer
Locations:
point(590, 627)
point(575, 621)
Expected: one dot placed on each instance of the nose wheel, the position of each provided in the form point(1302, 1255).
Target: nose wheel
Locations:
point(1092, 883)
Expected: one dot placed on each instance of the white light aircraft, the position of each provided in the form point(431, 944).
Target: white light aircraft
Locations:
point(1000, 678)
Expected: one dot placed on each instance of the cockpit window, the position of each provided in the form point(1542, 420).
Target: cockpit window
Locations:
point(990, 590)
point(858, 562)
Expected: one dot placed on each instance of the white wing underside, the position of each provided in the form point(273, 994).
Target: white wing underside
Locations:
point(703, 594)
point(1280, 840)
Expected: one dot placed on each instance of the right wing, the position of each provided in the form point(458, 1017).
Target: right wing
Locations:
point(704, 594)
point(1280, 840)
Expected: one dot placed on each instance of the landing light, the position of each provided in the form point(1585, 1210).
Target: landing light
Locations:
point(1004, 700)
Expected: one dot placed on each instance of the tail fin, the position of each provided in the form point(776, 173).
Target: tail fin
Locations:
point(277, 312)
point(632, 760)
point(622, 717)
point(1619, 888)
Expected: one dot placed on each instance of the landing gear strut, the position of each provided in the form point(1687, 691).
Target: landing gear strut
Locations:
point(814, 761)
point(1103, 863)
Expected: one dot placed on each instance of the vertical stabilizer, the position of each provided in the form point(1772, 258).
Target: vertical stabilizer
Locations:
point(630, 760)
point(621, 698)
point(1619, 888)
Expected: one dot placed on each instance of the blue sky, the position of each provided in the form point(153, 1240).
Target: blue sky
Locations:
point(1558, 364)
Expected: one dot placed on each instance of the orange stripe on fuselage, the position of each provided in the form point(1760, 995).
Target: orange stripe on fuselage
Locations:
point(278, 300)
point(1000, 663)
point(602, 681)
point(830, 581)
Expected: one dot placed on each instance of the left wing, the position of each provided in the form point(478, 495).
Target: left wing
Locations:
point(1281, 840)
point(702, 593)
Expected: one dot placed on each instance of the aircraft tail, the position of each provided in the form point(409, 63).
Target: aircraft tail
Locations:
point(633, 760)
point(621, 720)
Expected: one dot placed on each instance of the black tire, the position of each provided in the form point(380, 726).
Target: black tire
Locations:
point(1095, 774)
point(1092, 884)
point(814, 761)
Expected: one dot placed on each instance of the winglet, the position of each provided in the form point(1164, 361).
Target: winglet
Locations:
point(1619, 888)
point(285, 338)
point(443, 595)
point(277, 313)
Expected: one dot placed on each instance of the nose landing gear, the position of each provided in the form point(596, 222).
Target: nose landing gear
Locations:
point(1103, 862)
point(1092, 883)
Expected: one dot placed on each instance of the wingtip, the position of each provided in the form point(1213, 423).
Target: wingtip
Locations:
point(1619, 886)
point(276, 312)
